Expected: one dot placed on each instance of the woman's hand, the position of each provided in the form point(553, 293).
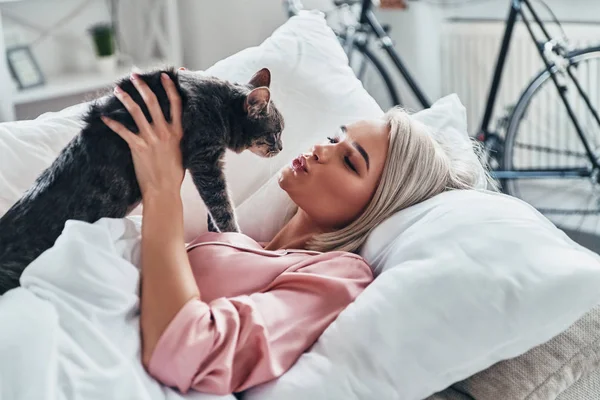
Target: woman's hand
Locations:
point(156, 149)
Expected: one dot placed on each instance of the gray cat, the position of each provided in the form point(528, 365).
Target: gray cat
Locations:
point(93, 177)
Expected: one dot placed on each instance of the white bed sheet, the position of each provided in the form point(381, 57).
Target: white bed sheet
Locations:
point(71, 331)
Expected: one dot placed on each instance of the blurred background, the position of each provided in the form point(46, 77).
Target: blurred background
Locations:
point(62, 52)
point(448, 46)
point(430, 35)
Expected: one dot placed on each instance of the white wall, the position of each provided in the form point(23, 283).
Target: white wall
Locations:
point(212, 30)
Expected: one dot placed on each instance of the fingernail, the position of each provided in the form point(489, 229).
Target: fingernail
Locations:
point(165, 76)
point(118, 89)
point(134, 76)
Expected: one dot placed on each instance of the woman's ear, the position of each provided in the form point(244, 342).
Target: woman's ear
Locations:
point(261, 78)
point(257, 101)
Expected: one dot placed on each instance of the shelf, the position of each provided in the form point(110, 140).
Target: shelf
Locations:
point(69, 84)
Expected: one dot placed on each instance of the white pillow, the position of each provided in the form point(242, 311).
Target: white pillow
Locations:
point(312, 85)
point(465, 279)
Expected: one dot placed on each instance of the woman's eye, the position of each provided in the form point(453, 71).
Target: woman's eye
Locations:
point(349, 163)
point(332, 140)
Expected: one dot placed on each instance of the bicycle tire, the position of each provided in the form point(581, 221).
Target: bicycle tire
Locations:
point(392, 93)
point(515, 187)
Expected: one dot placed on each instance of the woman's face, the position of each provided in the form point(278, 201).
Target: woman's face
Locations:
point(334, 182)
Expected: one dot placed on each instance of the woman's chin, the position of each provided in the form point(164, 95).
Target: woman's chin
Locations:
point(286, 179)
point(283, 179)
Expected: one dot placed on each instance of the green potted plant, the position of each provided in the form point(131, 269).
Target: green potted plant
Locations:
point(103, 36)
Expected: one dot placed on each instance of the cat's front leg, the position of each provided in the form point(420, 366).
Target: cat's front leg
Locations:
point(210, 223)
point(211, 184)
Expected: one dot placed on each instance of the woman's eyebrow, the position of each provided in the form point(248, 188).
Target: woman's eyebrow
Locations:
point(362, 152)
point(358, 147)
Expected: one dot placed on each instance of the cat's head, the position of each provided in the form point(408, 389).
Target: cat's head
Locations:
point(263, 122)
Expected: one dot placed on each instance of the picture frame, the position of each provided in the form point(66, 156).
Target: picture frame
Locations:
point(24, 68)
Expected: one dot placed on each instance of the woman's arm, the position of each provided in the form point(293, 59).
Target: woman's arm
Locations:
point(167, 279)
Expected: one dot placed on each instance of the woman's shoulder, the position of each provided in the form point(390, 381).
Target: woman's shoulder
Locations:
point(347, 254)
point(341, 263)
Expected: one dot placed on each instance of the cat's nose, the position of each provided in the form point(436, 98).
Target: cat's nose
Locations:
point(279, 146)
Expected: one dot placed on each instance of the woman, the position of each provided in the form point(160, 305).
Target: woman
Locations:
point(226, 313)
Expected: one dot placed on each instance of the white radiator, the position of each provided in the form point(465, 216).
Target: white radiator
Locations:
point(469, 53)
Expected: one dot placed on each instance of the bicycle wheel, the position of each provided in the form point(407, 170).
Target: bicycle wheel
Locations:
point(375, 78)
point(541, 136)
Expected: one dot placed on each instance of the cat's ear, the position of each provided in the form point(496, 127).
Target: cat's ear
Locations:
point(261, 79)
point(256, 101)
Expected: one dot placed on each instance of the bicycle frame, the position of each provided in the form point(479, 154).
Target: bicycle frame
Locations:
point(368, 18)
point(516, 11)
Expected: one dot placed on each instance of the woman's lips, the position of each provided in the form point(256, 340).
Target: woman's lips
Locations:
point(299, 164)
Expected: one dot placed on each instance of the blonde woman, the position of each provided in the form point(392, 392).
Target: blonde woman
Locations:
point(227, 313)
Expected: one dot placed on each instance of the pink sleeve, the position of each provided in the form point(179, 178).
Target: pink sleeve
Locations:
point(232, 344)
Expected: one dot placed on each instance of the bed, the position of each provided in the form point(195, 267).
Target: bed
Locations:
point(475, 291)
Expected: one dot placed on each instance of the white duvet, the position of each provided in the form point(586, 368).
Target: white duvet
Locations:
point(71, 331)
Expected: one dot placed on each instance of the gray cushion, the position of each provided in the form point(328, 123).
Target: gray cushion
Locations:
point(543, 372)
point(586, 388)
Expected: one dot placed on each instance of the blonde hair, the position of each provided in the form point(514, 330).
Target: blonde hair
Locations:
point(419, 165)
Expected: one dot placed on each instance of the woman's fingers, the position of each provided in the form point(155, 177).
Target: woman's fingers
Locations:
point(131, 138)
point(150, 99)
point(136, 112)
point(174, 99)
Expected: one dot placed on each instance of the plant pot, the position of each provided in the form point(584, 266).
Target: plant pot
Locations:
point(107, 65)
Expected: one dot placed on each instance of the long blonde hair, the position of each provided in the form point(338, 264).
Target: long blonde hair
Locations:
point(417, 168)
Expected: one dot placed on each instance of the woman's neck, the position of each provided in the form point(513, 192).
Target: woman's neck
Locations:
point(296, 233)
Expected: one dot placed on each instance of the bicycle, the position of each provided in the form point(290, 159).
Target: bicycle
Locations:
point(358, 29)
point(558, 176)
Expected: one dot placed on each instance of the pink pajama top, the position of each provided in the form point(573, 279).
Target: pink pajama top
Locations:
point(259, 311)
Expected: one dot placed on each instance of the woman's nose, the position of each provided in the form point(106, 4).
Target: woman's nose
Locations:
point(320, 153)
